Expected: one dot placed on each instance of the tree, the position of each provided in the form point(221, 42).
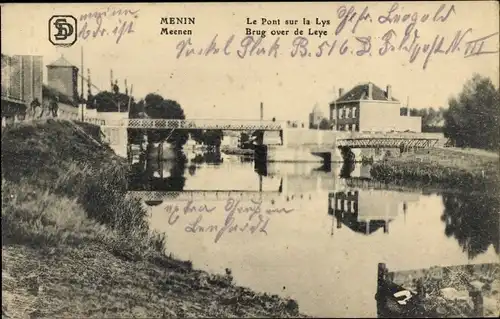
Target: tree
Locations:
point(245, 142)
point(137, 110)
point(197, 135)
point(106, 101)
point(208, 137)
point(158, 108)
point(473, 117)
point(213, 137)
point(324, 124)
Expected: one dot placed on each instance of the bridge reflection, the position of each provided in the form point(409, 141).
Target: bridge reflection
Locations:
point(350, 202)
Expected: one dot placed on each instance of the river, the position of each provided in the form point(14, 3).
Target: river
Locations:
point(316, 239)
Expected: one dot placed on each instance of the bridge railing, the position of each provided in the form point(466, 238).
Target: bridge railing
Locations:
point(356, 135)
point(201, 124)
point(61, 114)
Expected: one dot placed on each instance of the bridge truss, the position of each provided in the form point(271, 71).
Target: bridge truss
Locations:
point(387, 142)
point(205, 124)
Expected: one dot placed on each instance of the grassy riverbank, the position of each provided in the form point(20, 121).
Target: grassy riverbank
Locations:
point(446, 167)
point(73, 246)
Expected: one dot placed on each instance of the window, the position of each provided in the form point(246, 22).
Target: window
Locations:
point(355, 112)
point(354, 128)
point(350, 113)
point(343, 112)
point(350, 127)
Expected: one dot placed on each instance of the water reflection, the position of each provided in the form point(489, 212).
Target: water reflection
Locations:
point(407, 230)
point(345, 207)
point(208, 157)
point(347, 169)
point(155, 175)
point(473, 221)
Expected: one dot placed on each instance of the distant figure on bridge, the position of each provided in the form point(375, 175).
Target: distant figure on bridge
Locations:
point(34, 105)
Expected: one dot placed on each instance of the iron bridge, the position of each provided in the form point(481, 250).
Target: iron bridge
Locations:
point(387, 142)
point(205, 124)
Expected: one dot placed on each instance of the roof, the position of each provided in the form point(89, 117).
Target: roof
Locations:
point(62, 62)
point(360, 92)
point(359, 226)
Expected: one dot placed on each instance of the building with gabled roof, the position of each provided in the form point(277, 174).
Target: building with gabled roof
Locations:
point(367, 108)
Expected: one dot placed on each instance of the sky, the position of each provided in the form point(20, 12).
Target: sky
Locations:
point(219, 86)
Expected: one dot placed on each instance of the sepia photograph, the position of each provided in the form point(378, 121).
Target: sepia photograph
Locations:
point(250, 160)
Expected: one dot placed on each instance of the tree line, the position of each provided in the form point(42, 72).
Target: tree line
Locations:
point(152, 106)
point(472, 118)
point(432, 118)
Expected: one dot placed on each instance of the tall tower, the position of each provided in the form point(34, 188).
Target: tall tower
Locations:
point(63, 76)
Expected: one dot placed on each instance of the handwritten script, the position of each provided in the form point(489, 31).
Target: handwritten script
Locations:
point(311, 41)
point(107, 22)
point(249, 217)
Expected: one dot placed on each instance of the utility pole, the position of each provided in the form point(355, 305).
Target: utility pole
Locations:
point(130, 96)
point(408, 104)
point(81, 96)
point(111, 79)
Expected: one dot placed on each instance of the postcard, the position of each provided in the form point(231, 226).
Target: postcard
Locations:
point(258, 159)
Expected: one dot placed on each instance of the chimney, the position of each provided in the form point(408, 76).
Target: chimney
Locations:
point(408, 105)
point(89, 84)
point(341, 92)
point(126, 87)
point(261, 111)
point(111, 79)
point(370, 91)
point(389, 92)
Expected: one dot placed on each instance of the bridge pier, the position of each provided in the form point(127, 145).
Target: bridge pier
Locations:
point(117, 139)
point(261, 153)
point(284, 136)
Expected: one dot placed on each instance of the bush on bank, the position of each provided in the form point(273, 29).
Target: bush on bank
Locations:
point(437, 174)
point(50, 158)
